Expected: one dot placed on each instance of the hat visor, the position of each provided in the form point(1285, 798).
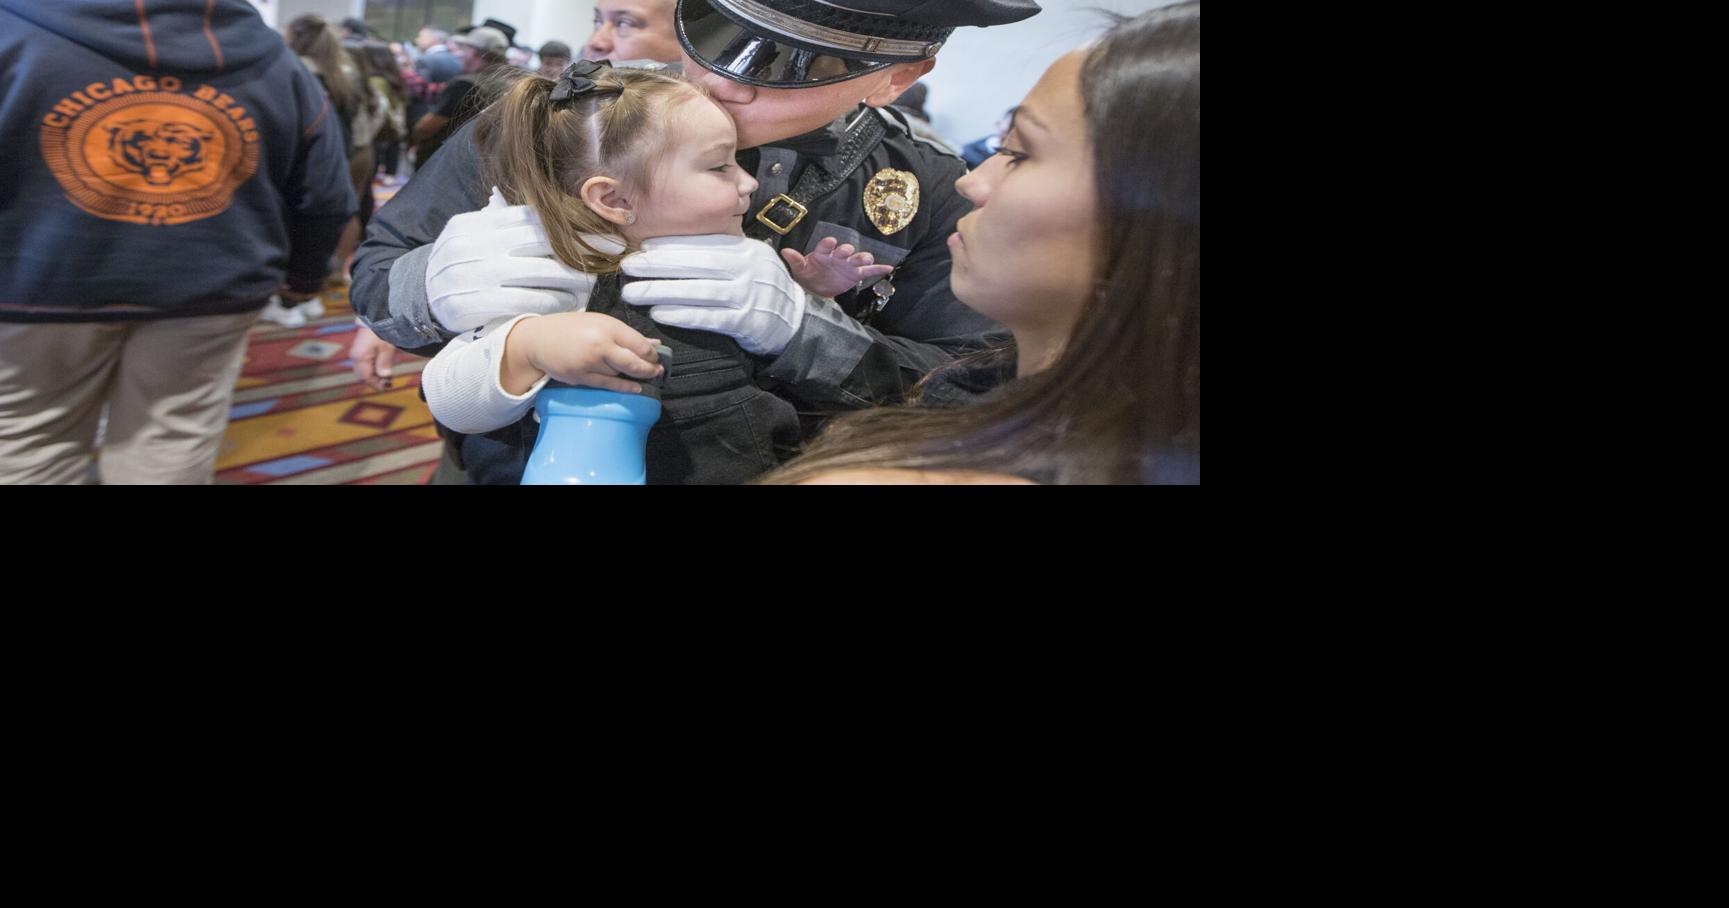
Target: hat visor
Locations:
point(756, 57)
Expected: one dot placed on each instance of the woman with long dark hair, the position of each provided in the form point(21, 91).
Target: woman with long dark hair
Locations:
point(319, 46)
point(387, 82)
point(1085, 242)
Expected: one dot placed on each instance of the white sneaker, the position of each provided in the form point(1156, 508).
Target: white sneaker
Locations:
point(274, 311)
point(313, 309)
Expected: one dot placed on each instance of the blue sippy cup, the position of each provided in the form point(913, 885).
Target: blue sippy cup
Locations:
point(591, 436)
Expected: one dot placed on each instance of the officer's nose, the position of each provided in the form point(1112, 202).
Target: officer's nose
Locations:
point(975, 187)
point(599, 43)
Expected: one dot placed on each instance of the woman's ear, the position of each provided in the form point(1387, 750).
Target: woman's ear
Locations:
point(605, 197)
point(901, 77)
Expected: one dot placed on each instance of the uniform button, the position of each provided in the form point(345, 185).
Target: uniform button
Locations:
point(776, 168)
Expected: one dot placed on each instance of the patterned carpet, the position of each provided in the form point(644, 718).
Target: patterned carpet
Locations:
point(301, 418)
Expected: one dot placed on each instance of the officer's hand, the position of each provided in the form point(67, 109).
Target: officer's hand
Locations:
point(373, 359)
point(734, 286)
point(498, 262)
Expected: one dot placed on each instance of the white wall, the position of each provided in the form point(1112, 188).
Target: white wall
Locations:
point(267, 9)
point(566, 20)
point(515, 12)
point(982, 72)
point(288, 10)
point(540, 21)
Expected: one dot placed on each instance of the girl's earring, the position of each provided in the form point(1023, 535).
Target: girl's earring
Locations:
point(630, 217)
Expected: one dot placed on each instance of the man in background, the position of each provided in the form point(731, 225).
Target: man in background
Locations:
point(633, 30)
point(223, 180)
point(554, 57)
point(481, 51)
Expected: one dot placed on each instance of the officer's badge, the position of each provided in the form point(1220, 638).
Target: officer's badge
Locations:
point(891, 198)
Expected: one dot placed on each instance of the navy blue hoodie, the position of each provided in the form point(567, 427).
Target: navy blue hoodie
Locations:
point(162, 158)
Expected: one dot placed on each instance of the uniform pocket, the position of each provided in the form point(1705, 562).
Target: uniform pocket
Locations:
point(884, 253)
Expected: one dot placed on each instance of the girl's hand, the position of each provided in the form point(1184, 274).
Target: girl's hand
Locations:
point(578, 348)
point(832, 269)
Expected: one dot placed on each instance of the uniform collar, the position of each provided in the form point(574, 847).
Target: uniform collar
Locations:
point(819, 143)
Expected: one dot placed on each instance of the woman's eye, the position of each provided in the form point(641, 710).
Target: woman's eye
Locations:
point(1015, 157)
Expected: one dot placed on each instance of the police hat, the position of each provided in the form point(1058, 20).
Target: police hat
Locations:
point(804, 43)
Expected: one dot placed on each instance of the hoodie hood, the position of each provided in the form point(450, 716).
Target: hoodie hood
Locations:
point(191, 36)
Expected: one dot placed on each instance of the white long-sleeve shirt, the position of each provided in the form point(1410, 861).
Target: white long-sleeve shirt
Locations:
point(463, 383)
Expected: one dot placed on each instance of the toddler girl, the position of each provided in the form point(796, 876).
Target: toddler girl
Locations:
point(605, 159)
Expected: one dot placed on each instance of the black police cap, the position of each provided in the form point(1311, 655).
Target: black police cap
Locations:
point(943, 13)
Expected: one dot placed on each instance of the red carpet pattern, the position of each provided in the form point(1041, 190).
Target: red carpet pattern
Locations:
point(300, 417)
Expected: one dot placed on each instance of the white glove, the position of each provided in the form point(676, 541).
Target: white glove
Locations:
point(740, 289)
point(498, 262)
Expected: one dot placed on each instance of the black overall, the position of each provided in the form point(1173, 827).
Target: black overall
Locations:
point(716, 426)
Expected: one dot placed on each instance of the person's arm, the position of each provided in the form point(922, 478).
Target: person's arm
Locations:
point(463, 384)
point(317, 193)
point(487, 378)
point(373, 361)
point(835, 362)
point(449, 106)
point(389, 291)
point(427, 126)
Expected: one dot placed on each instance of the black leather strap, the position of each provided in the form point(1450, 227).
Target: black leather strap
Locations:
point(821, 177)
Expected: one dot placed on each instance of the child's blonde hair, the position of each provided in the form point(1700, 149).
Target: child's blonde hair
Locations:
point(539, 153)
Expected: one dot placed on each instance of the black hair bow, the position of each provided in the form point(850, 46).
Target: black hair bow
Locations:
point(578, 79)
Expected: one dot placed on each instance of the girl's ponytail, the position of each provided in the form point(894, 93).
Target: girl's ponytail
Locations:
point(520, 156)
point(539, 154)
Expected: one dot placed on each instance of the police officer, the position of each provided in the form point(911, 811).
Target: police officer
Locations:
point(809, 84)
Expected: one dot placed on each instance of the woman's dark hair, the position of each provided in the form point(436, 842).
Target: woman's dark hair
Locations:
point(312, 37)
point(382, 63)
point(1122, 402)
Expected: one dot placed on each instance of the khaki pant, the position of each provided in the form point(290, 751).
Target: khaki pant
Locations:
point(168, 385)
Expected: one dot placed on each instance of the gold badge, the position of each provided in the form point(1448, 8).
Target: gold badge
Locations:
point(891, 199)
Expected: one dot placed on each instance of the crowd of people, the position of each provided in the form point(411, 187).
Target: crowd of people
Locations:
point(750, 186)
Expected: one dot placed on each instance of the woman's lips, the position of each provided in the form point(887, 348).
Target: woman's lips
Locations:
point(956, 241)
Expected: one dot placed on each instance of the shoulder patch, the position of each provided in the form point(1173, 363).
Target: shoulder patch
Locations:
point(899, 122)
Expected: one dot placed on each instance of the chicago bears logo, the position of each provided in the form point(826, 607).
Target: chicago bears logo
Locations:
point(159, 151)
point(142, 150)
